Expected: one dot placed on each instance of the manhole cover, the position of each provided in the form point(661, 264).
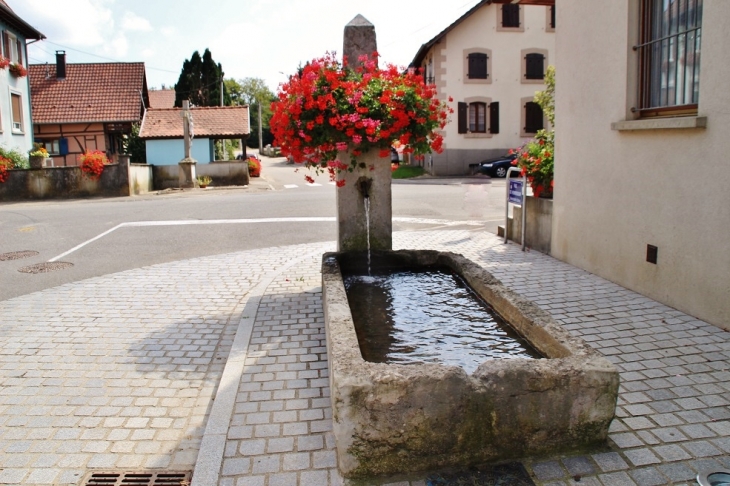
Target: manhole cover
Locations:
point(146, 478)
point(17, 255)
point(45, 267)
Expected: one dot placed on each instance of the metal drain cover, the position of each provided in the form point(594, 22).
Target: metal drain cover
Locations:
point(17, 255)
point(45, 267)
point(139, 478)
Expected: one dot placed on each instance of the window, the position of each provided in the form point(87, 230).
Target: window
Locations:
point(12, 48)
point(478, 117)
point(477, 66)
point(52, 146)
point(669, 57)
point(16, 104)
point(550, 19)
point(533, 118)
point(510, 15)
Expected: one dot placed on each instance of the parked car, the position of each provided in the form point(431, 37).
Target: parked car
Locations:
point(248, 156)
point(498, 166)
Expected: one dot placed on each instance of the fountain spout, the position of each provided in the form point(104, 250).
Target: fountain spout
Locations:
point(363, 186)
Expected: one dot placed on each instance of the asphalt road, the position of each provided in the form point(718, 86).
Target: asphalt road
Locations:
point(103, 236)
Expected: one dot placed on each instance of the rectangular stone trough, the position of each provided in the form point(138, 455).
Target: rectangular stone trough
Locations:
point(391, 418)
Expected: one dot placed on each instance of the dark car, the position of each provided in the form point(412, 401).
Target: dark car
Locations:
point(498, 166)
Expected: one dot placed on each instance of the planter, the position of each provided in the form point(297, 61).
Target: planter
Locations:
point(36, 161)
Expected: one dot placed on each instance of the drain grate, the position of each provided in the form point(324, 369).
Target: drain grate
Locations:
point(139, 478)
point(17, 255)
point(45, 267)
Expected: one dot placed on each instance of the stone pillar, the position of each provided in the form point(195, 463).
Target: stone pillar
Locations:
point(186, 173)
point(374, 179)
point(359, 39)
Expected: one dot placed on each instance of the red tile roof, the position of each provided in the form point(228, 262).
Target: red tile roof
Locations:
point(209, 122)
point(103, 92)
point(161, 98)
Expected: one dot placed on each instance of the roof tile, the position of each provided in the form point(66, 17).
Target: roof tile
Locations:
point(214, 121)
point(161, 98)
point(102, 92)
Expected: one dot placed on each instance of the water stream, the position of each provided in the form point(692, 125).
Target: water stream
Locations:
point(367, 225)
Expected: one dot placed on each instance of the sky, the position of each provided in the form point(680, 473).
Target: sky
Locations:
point(250, 38)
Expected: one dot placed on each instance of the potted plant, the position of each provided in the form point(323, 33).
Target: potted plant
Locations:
point(92, 163)
point(328, 108)
point(4, 62)
point(17, 70)
point(37, 156)
point(254, 167)
point(204, 181)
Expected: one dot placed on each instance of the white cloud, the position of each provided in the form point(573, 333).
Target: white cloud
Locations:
point(131, 21)
point(88, 25)
point(147, 53)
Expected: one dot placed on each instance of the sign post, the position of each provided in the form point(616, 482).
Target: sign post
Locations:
point(516, 193)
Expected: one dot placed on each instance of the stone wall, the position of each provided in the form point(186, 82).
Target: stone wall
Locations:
point(65, 183)
point(223, 173)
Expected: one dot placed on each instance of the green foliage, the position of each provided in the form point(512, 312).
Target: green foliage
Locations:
point(407, 172)
point(18, 158)
point(135, 146)
point(251, 92)
point(546, 99)
point(200, 82)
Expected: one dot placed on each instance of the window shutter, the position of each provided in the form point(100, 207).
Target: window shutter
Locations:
point(463, 109)
point(552, 16)
point(533, 117)
point(63, 146)
point(20, 52)
point(6, 45)
point(510, 15)
point(534, 66)
point(494, 117)
point(477, 66)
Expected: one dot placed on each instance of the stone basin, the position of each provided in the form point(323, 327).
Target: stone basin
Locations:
point(395, 418)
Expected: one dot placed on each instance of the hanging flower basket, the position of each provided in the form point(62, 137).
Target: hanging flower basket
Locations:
point(328, 108)
point(17, 70)
point(4, 62)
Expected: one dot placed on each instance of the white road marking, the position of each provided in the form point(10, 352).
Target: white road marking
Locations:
point(138, 224)
point(290, 186)
point(313, 184)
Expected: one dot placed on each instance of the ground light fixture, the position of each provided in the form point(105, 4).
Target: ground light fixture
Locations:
point(714, 478)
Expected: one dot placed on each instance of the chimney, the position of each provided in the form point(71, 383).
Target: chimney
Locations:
point(60, 64)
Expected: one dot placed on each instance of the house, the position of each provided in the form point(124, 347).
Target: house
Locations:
point(15, 110)
point(491, 61)
point(162, 98)
point(642, 125)
point(84, 107)
point(162, 131)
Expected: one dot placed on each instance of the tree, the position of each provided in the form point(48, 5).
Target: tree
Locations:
point(135, 146)
point(546, 98)
point(252, 92)
point(200, 82)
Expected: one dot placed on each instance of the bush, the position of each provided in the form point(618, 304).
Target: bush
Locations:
point(254, 167)
point(18, 158)
point(536, 159)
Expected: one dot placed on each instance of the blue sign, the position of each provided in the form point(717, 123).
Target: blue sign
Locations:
point(515, 192)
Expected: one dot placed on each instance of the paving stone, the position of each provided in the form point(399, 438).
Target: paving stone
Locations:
point(641, 457)
point(610, 461)
point(648, 477)
point(617, 479)
point(545, 471)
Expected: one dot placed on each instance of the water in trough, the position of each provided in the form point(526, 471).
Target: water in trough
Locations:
point(428, 316)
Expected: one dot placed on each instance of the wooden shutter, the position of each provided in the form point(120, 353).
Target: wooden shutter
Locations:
point(533, 117)
point(510, 15)
point(494, 117)
point(534, 66)
point(463, 109)
point(477, 66)
point(6, 45)
point(552, 16)
point(20, 52)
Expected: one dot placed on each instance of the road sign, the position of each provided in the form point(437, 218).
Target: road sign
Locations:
point(515, 192)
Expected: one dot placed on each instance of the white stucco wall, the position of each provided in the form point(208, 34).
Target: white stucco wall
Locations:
point(617, 191)
point(9, 138)
point(479, 30)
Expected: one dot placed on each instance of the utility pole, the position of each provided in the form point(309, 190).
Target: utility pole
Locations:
point(261, 143)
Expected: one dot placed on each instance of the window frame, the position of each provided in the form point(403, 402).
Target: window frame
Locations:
point(52, 146)
point(550, 19)
point(477, 50)
point(477, 108)
point(480, 101)
point(500, 17)
point(651, 74)
point(11, 43)
point(21, 123)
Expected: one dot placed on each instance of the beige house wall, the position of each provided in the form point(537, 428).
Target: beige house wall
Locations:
point(618, 191)
point(505, 83)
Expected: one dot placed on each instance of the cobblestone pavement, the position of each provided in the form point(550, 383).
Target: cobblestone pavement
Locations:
point(120, 372)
